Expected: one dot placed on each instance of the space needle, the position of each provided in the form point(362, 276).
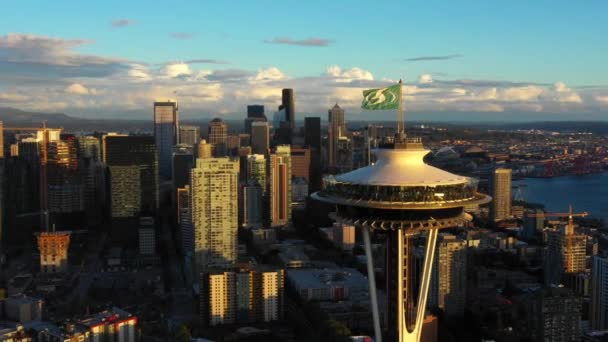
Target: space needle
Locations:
point(401, 196)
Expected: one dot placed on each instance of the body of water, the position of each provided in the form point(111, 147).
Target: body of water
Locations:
point(585, 193)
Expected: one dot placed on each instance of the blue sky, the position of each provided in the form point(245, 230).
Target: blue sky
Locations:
point(456, 56)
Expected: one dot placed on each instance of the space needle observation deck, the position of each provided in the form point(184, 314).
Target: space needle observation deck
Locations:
point(401, 196)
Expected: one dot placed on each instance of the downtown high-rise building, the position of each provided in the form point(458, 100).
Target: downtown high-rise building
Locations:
point(534, 222)
point(260, 137)
point(279, 186)
point(335, 130)
point(166, 134)
point(189, 135)
point(242, 296)
point(288, 104)
point(252, 206)
point(217, 135)
point(182, 161)
point(555, 314)
point(598, 315)
point(285, 123)
point(214, 210)
point(184, 220)
point(255, 113)
point(132, 163)
point(500, 190)
point(449, 281)
point(256, 170)
point(65, 189)
point(300, 163)
point(565, 254)
point(312, 139)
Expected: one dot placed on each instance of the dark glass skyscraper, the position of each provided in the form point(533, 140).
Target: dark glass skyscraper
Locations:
point(312, 132)
point(312, 139)
point(288, 103)
point(256, 111)
point(166, 122)
point(133, 170)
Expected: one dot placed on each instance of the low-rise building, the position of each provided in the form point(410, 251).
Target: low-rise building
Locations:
point(328, 284)
point(22, 309)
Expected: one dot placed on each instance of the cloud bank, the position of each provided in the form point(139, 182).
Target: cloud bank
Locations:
point(47, 73)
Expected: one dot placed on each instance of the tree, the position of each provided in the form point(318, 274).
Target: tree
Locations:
point(183, 334)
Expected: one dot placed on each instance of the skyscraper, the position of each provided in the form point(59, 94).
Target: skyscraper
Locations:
point(256, 170)
point(217, 136)
point(284, 128)
point(565, 254)
point(252, 207)
point(556, 315)
point(500, 188)
point(312, 139)
point(133, 170)
point(184, 219)
point(533, 225)
point(336, 129)
point(181, 164)
point(255, 113)
point(312, 132)
point(300, 163)
point(189, 135)
point(599, 293)
point(260, 137)
point(65, 188)
point(166, 133)
point(279, 189)
point(448, 288)
point(214, 208)
point(288, 103)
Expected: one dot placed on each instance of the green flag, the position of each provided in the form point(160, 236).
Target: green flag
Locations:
point(382, 98)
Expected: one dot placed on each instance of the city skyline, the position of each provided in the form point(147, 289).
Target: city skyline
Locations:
point(112, 65)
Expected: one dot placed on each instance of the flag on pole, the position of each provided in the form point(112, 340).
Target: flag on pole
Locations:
point(382, 98)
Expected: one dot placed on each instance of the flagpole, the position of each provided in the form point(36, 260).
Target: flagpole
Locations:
point(400, 114)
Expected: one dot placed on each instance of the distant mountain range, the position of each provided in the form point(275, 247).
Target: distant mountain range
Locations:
point(12, 115)
point(16, 117)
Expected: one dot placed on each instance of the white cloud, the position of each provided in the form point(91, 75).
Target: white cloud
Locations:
point(348, 75)
point(79, 89)
point(520, 93)
point(268, 74)
point(122, 84)
point(602, 98)
point(425, 79)
point(13, 97)
point(174, 70)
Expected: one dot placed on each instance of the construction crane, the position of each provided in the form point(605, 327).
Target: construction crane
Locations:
point(44, 159)
point(568, 237)
point(569, 214)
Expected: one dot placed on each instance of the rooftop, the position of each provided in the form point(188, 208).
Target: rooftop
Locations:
point(401, 167)
point(320, 278)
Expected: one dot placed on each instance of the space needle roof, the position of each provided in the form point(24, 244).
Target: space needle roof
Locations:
point(401, 167)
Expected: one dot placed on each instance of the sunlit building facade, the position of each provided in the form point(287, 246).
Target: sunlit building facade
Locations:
point(214, 212)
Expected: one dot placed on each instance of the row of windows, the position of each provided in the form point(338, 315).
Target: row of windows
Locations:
point(387, 193)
